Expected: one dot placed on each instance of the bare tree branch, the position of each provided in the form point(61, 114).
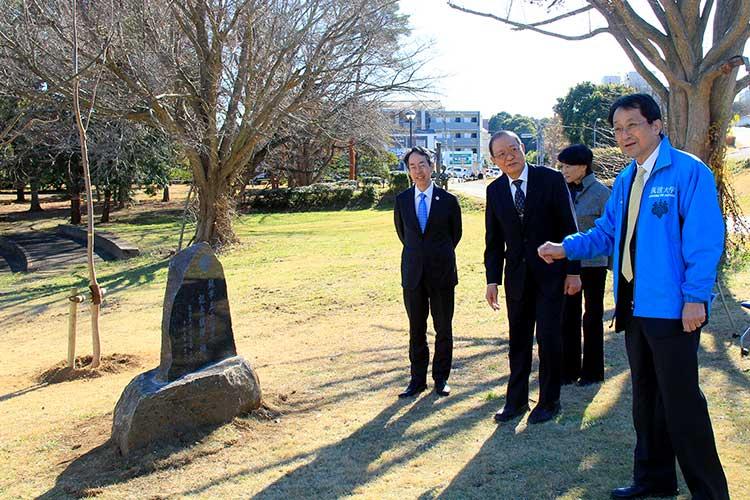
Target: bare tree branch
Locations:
point(523, 26)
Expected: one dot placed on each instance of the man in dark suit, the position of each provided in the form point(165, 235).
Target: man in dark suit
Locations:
point(428, 223)
point(524, 207)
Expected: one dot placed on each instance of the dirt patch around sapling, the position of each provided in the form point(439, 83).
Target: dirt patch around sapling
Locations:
point(111, 364)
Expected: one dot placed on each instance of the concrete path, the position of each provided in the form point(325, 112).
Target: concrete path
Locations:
point(47, 251)
point(476, 189)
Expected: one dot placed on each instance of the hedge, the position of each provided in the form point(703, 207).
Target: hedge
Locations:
point(323, 196)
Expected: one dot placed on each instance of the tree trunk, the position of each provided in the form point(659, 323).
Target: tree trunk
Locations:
point(697, 122)
point(122, 196)
point(165, 196)
point(107, 205)
point(20, 195)
point(216, 209)
point(75, 208)
point(35, 205)
point(74, 188)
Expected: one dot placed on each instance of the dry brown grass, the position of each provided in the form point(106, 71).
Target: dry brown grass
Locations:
point(317, 311)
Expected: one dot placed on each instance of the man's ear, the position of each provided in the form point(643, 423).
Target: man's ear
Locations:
point(659, 124)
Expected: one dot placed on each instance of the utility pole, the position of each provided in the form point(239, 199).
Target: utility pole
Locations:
point(352, 161)
point(539, 144)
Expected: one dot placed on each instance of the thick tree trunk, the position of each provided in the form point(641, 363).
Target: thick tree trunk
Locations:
point(106, 206)
point(215, 213)
point(165, 196)
point(698, 121)
point(35, 205)
point(75, 208)
point(20, 194)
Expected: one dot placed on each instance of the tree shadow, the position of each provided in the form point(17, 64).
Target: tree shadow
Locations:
point(21, 392)
point(104, 466)
point(46, 294)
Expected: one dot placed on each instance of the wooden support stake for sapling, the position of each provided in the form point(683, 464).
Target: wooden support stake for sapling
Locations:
point(74, 299)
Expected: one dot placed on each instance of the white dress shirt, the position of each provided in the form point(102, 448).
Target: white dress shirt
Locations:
point(524, 185)
point(648, 165)
point(427, 200)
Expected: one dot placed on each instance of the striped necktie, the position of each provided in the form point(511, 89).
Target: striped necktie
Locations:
point(634, 205)
point(422, 211)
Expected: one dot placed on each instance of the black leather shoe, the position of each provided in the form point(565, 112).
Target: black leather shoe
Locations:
point(640, 491)
point(442, 388)
point(508, 413)
point(413, 389)
point(544, 413)
point(583, 382)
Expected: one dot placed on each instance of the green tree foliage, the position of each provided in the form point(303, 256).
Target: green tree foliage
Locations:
point(519, 124)
point(585, 107)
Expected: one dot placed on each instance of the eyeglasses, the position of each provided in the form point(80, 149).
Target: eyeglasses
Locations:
point(502, 154)
point(629, 128)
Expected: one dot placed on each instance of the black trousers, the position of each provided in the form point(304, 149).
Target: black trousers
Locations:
point(419, 302)
point(592, 366)
point(544, 312)
point(670, 413)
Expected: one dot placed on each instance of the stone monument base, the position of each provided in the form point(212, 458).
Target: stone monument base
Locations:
point(151, 410)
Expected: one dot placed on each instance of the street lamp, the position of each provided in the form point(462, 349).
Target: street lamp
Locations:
point(410, 115)
point(595, 124)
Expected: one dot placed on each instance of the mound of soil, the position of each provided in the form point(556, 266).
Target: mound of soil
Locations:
point(113, 363)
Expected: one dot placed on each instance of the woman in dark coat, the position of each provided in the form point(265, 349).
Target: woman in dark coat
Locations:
point(589, 197)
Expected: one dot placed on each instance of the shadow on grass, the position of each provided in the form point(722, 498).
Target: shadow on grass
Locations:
point(21, 392)
point(577, 455)
point(50, 293)
point(152, 217)
point(104, 466)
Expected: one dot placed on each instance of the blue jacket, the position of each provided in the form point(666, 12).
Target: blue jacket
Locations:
point(679, 235)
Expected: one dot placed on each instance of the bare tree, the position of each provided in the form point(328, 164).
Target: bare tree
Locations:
point(220, 76)
point(309, 149)
point(697, 84)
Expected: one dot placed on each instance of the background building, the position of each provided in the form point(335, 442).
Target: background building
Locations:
point(457, 131)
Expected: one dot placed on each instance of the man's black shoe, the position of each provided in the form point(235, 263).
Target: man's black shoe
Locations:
point(507, 413)
point(544, 413)
point(442, 388)
point(640, 491)
point(413, 389)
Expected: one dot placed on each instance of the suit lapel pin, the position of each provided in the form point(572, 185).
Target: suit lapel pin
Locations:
point(437, 197)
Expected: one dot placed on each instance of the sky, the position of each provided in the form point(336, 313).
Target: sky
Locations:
point(490, 68)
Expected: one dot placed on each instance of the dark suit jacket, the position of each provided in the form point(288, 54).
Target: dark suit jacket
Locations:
point(548, 216)
point(430, 255)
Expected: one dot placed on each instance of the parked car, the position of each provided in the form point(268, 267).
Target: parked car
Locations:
point(491, 172)
point(260, 178)
point(460, 173)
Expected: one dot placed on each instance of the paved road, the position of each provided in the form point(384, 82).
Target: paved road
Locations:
point(48, 251)
point(477, 189)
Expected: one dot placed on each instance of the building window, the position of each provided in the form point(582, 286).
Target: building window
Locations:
point(474, 150)
point(473, 119)
point(473, 135)
point(457, 135)
point(458, 119)
point(458, 149)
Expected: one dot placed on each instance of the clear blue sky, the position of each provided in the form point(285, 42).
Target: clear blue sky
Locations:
point(489, 67)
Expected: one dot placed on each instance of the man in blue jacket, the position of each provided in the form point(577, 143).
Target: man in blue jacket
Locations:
point(665, 230)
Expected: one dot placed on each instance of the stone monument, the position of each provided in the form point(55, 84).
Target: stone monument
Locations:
point(200, 379)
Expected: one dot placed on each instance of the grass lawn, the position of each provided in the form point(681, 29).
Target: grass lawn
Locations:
point(317, 310)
